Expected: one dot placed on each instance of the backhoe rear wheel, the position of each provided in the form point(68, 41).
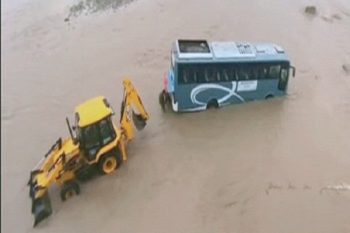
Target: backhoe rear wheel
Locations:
point(69, 190)
point(109, 162)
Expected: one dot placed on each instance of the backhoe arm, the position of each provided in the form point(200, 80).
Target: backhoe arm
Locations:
point(131, 102)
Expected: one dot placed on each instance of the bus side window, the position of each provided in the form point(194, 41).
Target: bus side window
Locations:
point(254, 72)
point(200, 74)
point(210, 74)
point(185, 74)
point(225, 75)
point(188, 75)
point(191, 75)
point(228, 73)
point(194, 78)
point(243, 73)
point(274, 72)
point(262, 70)
point(218, 77)
point(232, 73)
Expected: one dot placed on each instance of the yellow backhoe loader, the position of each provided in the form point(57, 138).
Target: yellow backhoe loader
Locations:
point(95, 142)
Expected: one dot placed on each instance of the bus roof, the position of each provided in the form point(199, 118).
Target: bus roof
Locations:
point(227, 51)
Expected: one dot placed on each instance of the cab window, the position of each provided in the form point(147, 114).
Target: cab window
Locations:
point(107, 131)
point(91, 137)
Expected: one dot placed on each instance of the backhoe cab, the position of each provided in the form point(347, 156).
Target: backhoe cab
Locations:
point(95, 142)
point(94, 129)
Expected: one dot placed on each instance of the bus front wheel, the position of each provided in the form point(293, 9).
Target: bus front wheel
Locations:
point(164, 99)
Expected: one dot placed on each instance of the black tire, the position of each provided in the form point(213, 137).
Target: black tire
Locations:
point(119, 158)
point(212, 104)
point(270, 96)
point(161, 100)
point(86, 173)
point(113, 158)
point(164, 100)
point(69, 189)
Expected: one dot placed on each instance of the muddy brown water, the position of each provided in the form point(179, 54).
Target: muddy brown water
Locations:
point(257, 167)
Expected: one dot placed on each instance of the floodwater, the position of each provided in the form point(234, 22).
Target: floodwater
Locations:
point(276, 166)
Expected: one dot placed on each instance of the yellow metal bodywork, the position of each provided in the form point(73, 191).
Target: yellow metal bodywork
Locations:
point(131, 101)
point(52, 168)
point(119, 142)
point(92, 111)
point(64, 159)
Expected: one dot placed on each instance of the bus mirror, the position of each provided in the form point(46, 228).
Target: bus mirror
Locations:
point(293, 70)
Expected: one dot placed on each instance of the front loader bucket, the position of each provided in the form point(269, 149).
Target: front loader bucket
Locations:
point(138, 120)
point(41, 208)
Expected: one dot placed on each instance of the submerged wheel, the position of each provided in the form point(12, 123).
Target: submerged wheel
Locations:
point(110, 162)
point(69, 190)
point(86, 173)
point(164, 99)
point(212, 104)
point(270, 96)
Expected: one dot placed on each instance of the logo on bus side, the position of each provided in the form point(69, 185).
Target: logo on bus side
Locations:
point(203, 87)
point(247, 85)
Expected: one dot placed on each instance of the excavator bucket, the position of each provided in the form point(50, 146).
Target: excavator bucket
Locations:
point(139, 121)
point(41, 207)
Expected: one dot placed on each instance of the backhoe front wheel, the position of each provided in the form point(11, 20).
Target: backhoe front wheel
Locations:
point(69, 190)
point(109, 162)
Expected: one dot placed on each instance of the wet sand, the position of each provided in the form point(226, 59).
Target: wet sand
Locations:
point(260, 167)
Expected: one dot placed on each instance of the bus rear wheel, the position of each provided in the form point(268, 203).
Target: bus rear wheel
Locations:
point(270, 96)
point(212, 104)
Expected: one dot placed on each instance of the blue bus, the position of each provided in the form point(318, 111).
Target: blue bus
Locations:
point(203, 75)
